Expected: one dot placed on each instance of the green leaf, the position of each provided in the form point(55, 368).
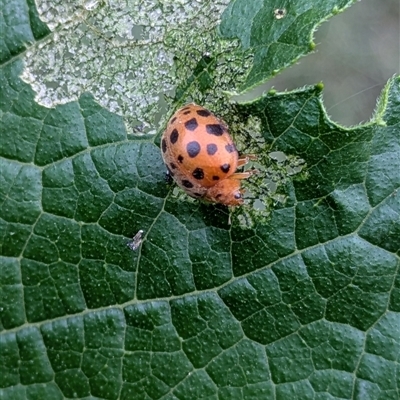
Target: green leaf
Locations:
point(276, 34)
point(20, 26)
point(304, 303)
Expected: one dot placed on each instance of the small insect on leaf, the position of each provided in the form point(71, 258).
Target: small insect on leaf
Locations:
point(136, 241)
point(279, 13)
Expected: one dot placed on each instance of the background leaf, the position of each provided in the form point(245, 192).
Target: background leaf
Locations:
point(303, 305)
point(278, 34)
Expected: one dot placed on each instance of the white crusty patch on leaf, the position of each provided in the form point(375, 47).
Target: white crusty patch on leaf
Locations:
point(120, 51)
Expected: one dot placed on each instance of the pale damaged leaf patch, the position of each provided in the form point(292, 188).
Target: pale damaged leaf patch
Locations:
point(120, 51)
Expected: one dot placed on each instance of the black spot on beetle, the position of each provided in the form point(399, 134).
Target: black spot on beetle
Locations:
point(187, 183)
point(174, 136)
point(198, 173)
point(186, 112)
point(197, 194)
point(172, 166)
point(215, 178)
point(191, 125)
point(215, 129)
point(230, 148)
point(164, 145)
point(211, 149)
point(203, 113)
point(180, 159)
point(218, 195)
point(193, 149)
point(172, 120)
point(225, 168)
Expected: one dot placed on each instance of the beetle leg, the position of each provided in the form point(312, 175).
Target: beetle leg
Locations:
point(243, 175)
point(243, 160)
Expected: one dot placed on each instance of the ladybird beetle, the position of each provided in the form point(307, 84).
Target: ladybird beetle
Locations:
point(201, 157)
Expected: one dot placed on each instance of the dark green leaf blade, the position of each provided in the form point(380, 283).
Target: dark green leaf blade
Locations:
point(283, 292)
point(20, 26)
point(304, 305)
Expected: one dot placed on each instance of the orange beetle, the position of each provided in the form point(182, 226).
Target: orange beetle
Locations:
point(201, 157)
